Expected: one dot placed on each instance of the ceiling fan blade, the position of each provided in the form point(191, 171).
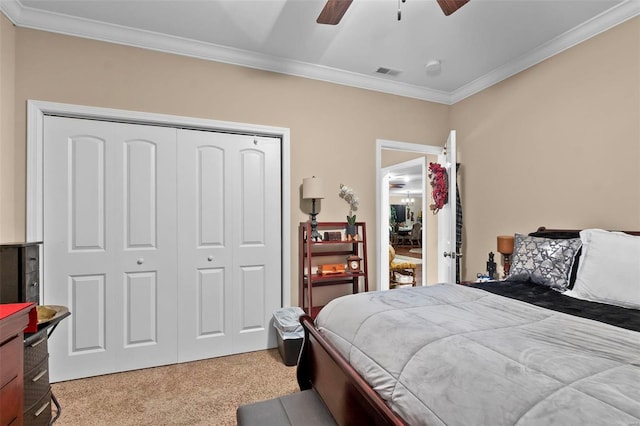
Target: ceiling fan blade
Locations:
point(450, 6)
point(333, 11)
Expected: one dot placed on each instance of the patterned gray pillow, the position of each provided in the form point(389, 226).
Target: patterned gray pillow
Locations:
point(543, 261)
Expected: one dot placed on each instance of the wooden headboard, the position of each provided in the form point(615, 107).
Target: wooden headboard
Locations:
point(577, 231)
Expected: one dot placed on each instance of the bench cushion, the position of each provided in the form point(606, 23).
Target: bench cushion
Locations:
point(301, 408)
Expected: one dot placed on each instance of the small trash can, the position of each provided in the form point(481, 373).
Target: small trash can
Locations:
point(290, 333)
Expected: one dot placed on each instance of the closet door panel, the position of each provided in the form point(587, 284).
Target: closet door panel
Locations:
point(238, 177)
point(210, 195)
point(211, 290)
point(253, 193)
point(86, 190)
point(109, 245)
point(257, 241)
point(140, 179)
point(204, 255)
point(88, 320)
point(141, 312)
point(252, 298)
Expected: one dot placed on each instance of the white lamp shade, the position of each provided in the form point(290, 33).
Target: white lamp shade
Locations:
point(312, 188)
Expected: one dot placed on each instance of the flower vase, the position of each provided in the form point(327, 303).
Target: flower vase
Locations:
point(351, 230)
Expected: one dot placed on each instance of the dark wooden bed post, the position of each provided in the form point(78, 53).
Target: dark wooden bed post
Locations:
point(348, 397)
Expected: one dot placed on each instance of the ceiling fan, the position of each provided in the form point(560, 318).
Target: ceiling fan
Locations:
point(334, 10)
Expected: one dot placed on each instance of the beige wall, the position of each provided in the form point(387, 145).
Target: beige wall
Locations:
point(333, 127)
point(556, 145)
point(9, 211)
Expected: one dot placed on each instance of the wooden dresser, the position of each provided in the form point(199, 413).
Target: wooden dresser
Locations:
point(14, 318)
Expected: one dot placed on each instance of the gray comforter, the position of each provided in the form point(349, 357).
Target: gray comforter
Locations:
point(454, 355)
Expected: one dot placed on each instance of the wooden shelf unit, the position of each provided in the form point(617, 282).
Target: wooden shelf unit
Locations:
point(311, 253)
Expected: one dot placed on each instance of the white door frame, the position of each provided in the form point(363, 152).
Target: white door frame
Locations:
point(36, 111)
point(382, 209)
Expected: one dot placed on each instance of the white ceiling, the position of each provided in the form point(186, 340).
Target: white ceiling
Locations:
point(482, 43)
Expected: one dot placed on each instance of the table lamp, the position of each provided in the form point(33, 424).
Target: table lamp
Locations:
point(505, 247)
point(312, 189)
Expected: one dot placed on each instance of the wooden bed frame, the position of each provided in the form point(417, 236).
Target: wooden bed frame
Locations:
point(346, 394)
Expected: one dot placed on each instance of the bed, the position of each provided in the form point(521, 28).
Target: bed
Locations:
point(498, 353)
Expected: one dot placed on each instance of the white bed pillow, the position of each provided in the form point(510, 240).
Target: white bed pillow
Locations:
point(609, 270)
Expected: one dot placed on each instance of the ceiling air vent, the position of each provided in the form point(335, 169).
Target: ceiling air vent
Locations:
point(388, 71)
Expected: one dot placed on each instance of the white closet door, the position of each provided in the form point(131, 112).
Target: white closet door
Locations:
point(229, 242)
point(109, 245)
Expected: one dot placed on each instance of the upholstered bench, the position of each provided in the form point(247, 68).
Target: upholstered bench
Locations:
point(301, 408)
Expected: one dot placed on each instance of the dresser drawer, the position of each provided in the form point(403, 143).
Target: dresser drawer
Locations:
point(31, 258)
point(31, 290)
point(36, 351)
point(36, 384)
point(10, 396)
point(10, 360)
point(39, 413)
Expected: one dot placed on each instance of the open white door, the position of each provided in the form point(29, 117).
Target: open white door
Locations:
point(384, 218)
point(447, 217)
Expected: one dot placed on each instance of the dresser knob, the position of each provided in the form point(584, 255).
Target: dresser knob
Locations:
point(140, 261)
point(210, 258)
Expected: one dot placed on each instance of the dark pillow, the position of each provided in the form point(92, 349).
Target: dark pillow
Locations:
point(563, 235)
point(543, 261)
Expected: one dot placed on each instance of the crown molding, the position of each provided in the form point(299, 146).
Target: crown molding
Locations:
point(598, 24)
point(27, 17)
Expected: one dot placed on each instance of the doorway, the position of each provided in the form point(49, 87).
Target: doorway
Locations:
point(388, 154)
point(404, 189)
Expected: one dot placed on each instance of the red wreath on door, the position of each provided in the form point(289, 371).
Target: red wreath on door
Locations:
point(440, 185)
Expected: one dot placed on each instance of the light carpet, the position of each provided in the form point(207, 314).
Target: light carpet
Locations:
point(416, 250)
point(203, 392)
